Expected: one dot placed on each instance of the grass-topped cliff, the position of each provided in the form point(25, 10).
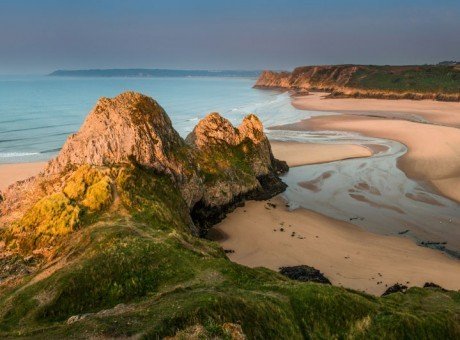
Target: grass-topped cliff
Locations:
point(439, 82)
point(95, 247)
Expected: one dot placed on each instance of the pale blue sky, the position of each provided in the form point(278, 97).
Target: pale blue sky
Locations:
point(41, 36)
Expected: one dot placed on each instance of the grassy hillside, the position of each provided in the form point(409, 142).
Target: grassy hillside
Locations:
point(444, 79)
point(133, 268)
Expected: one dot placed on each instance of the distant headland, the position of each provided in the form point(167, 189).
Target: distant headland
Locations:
point(438, 82)
point(150, 73)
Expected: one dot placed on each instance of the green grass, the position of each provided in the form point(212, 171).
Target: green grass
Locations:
point(443, 79)
point(416, 82)
point(137, 270)
point(171, 281)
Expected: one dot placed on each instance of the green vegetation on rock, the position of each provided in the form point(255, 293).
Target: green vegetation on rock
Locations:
point(442, 79)
point(86, 191)
point(90, 187)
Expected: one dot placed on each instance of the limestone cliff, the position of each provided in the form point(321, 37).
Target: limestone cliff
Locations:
point(272, 79)
point(131, 128)
point(388, 82)
point(237, 163)
point(216, 167)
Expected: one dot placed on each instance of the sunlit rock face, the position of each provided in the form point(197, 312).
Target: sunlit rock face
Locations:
point(271, 79)
point(237, 163)
point(129, 127)
point(219, 165)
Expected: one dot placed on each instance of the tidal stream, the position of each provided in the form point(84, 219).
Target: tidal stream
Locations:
point(372, 192)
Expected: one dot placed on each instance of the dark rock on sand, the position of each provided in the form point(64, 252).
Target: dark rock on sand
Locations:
point(206, 216)
point(396, 288)
point(433, 285)
point(304, 273)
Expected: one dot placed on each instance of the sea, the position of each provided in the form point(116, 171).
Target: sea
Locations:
point(38, 113)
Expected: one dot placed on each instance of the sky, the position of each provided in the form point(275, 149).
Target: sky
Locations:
point(40, 36)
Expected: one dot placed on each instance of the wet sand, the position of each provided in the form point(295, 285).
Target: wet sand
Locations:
point(444, 113)
point(433, 151)
point(11, 173)
point(346, 254)
point(296, 153)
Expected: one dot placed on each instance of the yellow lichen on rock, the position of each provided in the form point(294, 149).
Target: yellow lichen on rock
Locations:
point(98, 195)
point(90, 187)
point(86, 189)
point(80, 180)
point(52, 216)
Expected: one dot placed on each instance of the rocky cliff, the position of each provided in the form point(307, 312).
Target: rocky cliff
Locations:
point(216, 168)
point(441, 82)
point(272, 79)
point(131, 128)
point(237, 164)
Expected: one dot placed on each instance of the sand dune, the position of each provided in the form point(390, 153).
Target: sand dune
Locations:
point(346, 254)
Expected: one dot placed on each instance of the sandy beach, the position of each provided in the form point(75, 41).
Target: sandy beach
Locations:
point(11, 173)
point(433, 153)
point(261, 235)
point(444, 113)
point(346, 254)
point(296, 154)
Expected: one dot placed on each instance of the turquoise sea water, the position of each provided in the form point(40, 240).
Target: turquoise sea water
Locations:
point(38, 113)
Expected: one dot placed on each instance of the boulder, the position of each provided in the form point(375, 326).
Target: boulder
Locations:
point(304, 273)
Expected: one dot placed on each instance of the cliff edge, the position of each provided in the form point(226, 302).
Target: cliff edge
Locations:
point(437, 82)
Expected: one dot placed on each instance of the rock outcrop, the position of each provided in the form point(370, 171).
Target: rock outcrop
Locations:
point(272, 79)
point(387, 82)
point(131, 128)
point(217, 167)
point(238, 164)
point(215, 132)
point(305, 274)
point(396, 288)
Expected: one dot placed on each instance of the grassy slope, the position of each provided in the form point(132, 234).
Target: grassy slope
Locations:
point(138, 270)
point(438, 82)
point(444, 79)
